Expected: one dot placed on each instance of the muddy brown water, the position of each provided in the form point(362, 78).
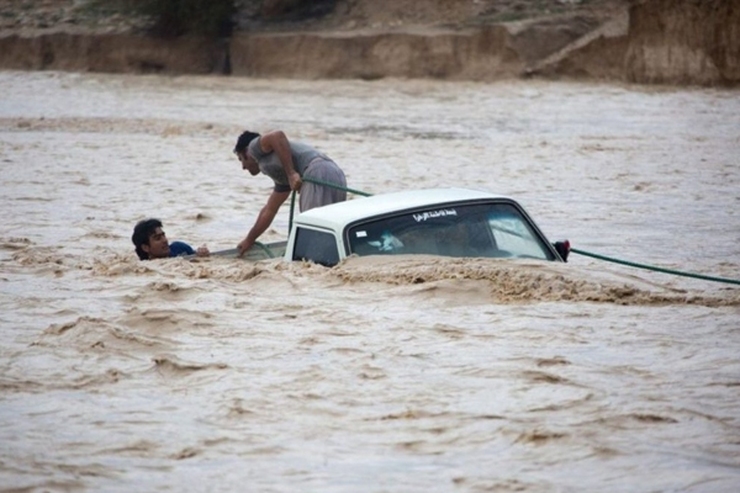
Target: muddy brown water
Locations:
point(410, 374)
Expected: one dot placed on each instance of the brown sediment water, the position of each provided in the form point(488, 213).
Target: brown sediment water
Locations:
point(410, 374)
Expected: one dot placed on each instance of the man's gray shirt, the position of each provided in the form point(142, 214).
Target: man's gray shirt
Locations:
point(269, 163)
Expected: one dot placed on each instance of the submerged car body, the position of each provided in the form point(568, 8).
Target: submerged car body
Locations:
point(449, 222)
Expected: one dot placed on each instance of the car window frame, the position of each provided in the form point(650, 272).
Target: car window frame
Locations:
point(552, 254)
point(314, 230)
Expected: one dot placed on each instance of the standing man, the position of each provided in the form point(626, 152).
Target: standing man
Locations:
point(286, 163)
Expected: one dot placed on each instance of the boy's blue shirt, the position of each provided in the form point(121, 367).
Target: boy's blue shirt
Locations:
point(178, 248)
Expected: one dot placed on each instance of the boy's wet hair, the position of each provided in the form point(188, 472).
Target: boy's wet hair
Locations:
point(142, 231)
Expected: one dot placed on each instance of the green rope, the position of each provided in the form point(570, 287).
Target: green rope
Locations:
point(334, 185)
point(319, 182)
point(657, 269)
point(264, 249)
point(574, 250)
point(292, 208)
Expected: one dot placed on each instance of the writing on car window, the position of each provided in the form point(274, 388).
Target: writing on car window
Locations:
point(495, 229)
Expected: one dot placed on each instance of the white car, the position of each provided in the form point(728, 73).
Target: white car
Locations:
point(450, 222)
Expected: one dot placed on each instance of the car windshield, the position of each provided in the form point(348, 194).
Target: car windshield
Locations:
point(497, 229)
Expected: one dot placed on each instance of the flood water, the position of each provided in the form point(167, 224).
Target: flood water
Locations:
point(414, 374)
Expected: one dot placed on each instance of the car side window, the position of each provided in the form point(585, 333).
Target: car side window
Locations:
point(315, 246)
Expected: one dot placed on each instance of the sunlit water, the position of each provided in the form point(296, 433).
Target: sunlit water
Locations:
point(404, 375)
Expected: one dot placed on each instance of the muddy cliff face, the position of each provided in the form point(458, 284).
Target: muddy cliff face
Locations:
point(679, 42)
point(684, 41)
point(478, 55)
point(113, 53)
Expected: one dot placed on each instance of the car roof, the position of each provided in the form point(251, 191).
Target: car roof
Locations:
point(337, 215)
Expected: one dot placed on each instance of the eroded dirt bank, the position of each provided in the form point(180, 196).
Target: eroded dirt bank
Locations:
point(687, 41)
point(655, 41)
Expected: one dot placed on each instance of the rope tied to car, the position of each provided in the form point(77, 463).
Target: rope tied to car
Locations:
point(319, 182)
point(265, 249)
point(573, 250)
point(655, 268)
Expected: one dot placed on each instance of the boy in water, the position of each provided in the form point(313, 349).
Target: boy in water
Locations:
point(151, 242)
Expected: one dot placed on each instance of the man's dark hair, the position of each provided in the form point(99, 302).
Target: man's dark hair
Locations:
point(142, 231)
point(243, 141)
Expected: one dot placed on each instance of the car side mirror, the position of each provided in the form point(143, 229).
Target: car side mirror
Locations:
point(563, 249)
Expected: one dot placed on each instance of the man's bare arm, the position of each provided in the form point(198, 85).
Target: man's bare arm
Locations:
point(264, 219)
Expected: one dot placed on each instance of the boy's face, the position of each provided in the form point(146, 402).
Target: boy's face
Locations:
point(158, 246)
